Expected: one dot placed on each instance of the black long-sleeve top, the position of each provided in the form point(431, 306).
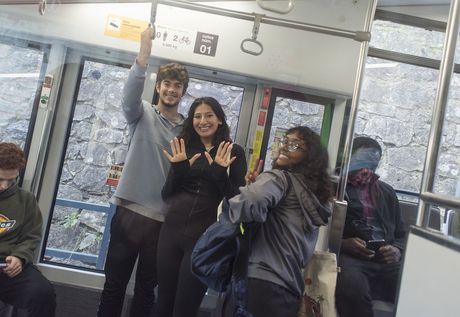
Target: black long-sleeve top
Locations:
point(193, 193)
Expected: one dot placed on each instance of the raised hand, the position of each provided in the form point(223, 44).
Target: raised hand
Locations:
point(223, 155)
point(145, 49)
point(178, 152)
point(252, 174)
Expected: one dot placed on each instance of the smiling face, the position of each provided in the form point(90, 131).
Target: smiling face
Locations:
point(205, 123)
point(292, 151)
point(170, 92)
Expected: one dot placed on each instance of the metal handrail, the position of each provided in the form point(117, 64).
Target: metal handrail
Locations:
point(288, 9)
point(97, 259)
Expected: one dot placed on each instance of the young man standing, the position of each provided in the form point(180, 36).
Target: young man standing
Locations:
point(140, 208)
point(21, 284)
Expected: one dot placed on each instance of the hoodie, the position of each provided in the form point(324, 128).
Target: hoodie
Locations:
point(20, 224)
point(290, 217)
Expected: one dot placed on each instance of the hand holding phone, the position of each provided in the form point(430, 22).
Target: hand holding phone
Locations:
point(375, 245)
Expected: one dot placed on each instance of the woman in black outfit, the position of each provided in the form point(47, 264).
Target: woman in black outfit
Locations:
point(205, 167)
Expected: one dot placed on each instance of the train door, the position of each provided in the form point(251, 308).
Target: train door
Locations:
point(90, 138)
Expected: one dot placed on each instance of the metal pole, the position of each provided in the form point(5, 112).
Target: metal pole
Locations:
point(442, 93)
point(354, 106)
point(356, 35)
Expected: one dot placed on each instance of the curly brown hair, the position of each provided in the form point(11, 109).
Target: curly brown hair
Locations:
point(11, 157)
point(173, 71)
point(314, 167)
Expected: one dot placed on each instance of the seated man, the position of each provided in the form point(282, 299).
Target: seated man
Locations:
point(21, 284)
point(368, 271)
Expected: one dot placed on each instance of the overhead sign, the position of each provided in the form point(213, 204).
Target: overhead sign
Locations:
point(174, 38)
point(124, 28)
point(206, 44)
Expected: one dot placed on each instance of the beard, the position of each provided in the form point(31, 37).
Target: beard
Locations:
point(168, 104)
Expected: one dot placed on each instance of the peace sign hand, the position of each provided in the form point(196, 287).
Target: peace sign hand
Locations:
point(178, 152)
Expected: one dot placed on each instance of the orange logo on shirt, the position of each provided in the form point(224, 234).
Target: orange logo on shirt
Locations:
point(5, 224)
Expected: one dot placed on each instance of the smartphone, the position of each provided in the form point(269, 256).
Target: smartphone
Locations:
point(375, 245)
point(3, 265)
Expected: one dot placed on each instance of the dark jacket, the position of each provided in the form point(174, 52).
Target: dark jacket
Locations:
point(387, 212)
point(20, 224)
point(193, 193)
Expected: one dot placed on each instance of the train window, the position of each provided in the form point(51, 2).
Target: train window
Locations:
point(407, 39)
point(229, 96)
point(395, 109)
point(447, 177)
point(289, 109)
point(98, 138)
point(20, 71)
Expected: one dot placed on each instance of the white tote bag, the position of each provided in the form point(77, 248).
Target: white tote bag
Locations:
point(320, 280)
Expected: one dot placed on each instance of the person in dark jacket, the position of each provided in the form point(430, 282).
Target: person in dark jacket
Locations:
point(291, 202)
point(21, 284)
point(373, 214)
point(205, 167)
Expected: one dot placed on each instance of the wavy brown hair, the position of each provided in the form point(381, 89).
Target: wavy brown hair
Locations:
point(11, 157)
point(315, 166)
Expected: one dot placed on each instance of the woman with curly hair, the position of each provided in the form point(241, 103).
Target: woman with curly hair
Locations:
point(291, 202)
point(205, 167)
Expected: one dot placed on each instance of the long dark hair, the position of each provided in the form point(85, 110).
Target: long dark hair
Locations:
point(188, 132)
point(314, 167)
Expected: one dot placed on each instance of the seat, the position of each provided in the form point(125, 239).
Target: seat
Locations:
point(409, 213)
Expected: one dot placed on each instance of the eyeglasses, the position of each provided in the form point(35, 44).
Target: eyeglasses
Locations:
point(9, 182)
point(291, 145)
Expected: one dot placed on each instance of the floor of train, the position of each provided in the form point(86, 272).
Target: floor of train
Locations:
point(78, 302)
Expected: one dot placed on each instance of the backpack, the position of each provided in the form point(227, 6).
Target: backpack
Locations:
point(222, 251)
point(216, 251)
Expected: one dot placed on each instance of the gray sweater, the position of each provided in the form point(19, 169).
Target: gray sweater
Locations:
point(291, 216)
point(146, 167)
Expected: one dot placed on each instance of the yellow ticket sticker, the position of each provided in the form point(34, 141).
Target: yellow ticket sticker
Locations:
point(124, 28)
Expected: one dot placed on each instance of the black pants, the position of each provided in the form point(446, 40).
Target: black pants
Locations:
point(179, 292)
point(29, 290)
point(132, 236)
point(361, 281)
point(265, 299)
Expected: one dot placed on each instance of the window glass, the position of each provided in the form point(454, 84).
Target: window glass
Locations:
point(289, 113)
point(395, 109)
point(447, 177)
point(406, 39)
point(98, 138)
point(230, 97)
point(19, 78)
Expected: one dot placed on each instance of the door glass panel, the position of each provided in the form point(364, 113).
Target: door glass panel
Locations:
point(287, 114)
point(20, 68)
point(98, 138)
point(79, 231)
point(230, 97)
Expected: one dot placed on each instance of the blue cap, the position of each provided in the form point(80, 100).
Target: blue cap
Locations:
point(364, 158)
